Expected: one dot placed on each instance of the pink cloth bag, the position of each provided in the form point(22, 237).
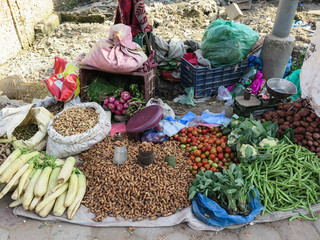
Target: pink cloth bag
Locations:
point(117, 53)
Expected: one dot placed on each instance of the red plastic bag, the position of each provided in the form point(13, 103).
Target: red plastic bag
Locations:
point(64, 84)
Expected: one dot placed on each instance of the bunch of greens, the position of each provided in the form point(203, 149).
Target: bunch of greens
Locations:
point(297, 64)
point(101, 88)
point(137, 102)
point(228, 189)
point(245, 134)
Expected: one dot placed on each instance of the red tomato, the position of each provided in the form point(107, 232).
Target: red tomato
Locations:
point(203, 156)
point(200, 146)
point(175, 137)
point(226, 155)
point(189, 135)
point(197, 159)
point(194, 133)
point(210, 141)
point(183, 130)
point(188, 140)
point(207, 166)
point(223, 145)
point(213, 169)
point(190, 161)
point(204, 161)
point(207, 153)
point(212, 156)
point(199, 131)
point(192, 157)
point(218, 142)
point(179, 139)
point(183, 140)
point(219, 149)
point(202, 169)
point(203, 149)
point(213, 150)
point(208, 148)
point(224, 160)
point(228, 150)
point(220, 156)
point(199, 164)
point(204, 131)
point(197, 152)
point(189, 129)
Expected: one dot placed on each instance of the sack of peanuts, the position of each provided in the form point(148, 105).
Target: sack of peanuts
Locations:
point(24, 126)
point(77, 128)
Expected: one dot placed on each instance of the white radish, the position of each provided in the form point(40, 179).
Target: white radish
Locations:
point(28, 194)
point(16, 203)
point(53, 181)
point(41, 186)
point(14, 179)
point(34, 203)
point(13, 156)
point(65, 172)
point(82, 185)
point(14, 195)
point(24, 179)
point(52, 196)
point(72, 190)
point(16, 165)
point(59, 207)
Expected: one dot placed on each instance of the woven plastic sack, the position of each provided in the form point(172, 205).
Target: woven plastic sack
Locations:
point(65, 146)
point(210, 213)
point(225, 42)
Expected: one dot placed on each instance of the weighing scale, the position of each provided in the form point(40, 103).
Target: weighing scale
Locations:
point(279, 91)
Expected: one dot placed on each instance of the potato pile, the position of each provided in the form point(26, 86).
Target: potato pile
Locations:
point(131, 190)
point(299, 116)
point(75, 120)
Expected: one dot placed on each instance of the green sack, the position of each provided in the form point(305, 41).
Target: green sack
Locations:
point(225, 42)
point(294, 77)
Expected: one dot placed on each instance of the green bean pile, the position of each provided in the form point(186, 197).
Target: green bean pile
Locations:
point(288, 179)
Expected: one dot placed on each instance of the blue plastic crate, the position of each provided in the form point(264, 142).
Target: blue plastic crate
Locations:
point(207, 81)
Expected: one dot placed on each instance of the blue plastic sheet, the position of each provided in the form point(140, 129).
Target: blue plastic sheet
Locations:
point(218, 216)
point(214, 118)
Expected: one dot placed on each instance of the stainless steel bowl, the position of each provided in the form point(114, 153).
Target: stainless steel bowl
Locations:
point(281, 88)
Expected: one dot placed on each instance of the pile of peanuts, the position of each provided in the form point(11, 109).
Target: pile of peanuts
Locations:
point(146, 146)
point(132, 191)
point(75, 120)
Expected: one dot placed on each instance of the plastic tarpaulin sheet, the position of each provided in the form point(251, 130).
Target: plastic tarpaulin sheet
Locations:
point(83, 217)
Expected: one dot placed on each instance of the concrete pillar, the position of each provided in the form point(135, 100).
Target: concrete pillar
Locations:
point(275, 55)
point(278, 46)
point(284, 19)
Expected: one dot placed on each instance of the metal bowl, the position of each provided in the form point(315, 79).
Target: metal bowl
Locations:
point(281, 88)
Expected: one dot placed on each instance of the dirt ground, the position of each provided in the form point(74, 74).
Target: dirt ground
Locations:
point(175, 20)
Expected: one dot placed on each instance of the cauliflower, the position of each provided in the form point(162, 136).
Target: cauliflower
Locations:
point(268, 142)
point(247, 151)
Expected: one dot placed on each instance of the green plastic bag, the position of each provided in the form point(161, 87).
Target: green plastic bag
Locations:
point(294, 77)
point(226, 43)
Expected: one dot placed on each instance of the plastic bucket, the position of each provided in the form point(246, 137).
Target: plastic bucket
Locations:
point(120, 155)
point(145, 158)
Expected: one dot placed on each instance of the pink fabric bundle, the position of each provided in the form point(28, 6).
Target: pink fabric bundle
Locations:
point(117, 53)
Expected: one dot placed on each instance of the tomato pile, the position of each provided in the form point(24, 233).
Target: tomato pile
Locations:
point(207, 148)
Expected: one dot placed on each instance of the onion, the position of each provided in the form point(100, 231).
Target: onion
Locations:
point(117, 112)
point(116, 102)
point(119, 107)
point(111, 99)
point(111, 106)
point(122, 101)
point(125, 95)
point(123, 112)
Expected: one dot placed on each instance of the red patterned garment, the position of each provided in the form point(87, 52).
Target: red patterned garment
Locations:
point(133, 14)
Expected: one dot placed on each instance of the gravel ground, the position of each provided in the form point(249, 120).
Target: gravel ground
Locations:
point(176, 20)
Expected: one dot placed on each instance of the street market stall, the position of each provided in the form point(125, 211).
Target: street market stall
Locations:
point(103, 152)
